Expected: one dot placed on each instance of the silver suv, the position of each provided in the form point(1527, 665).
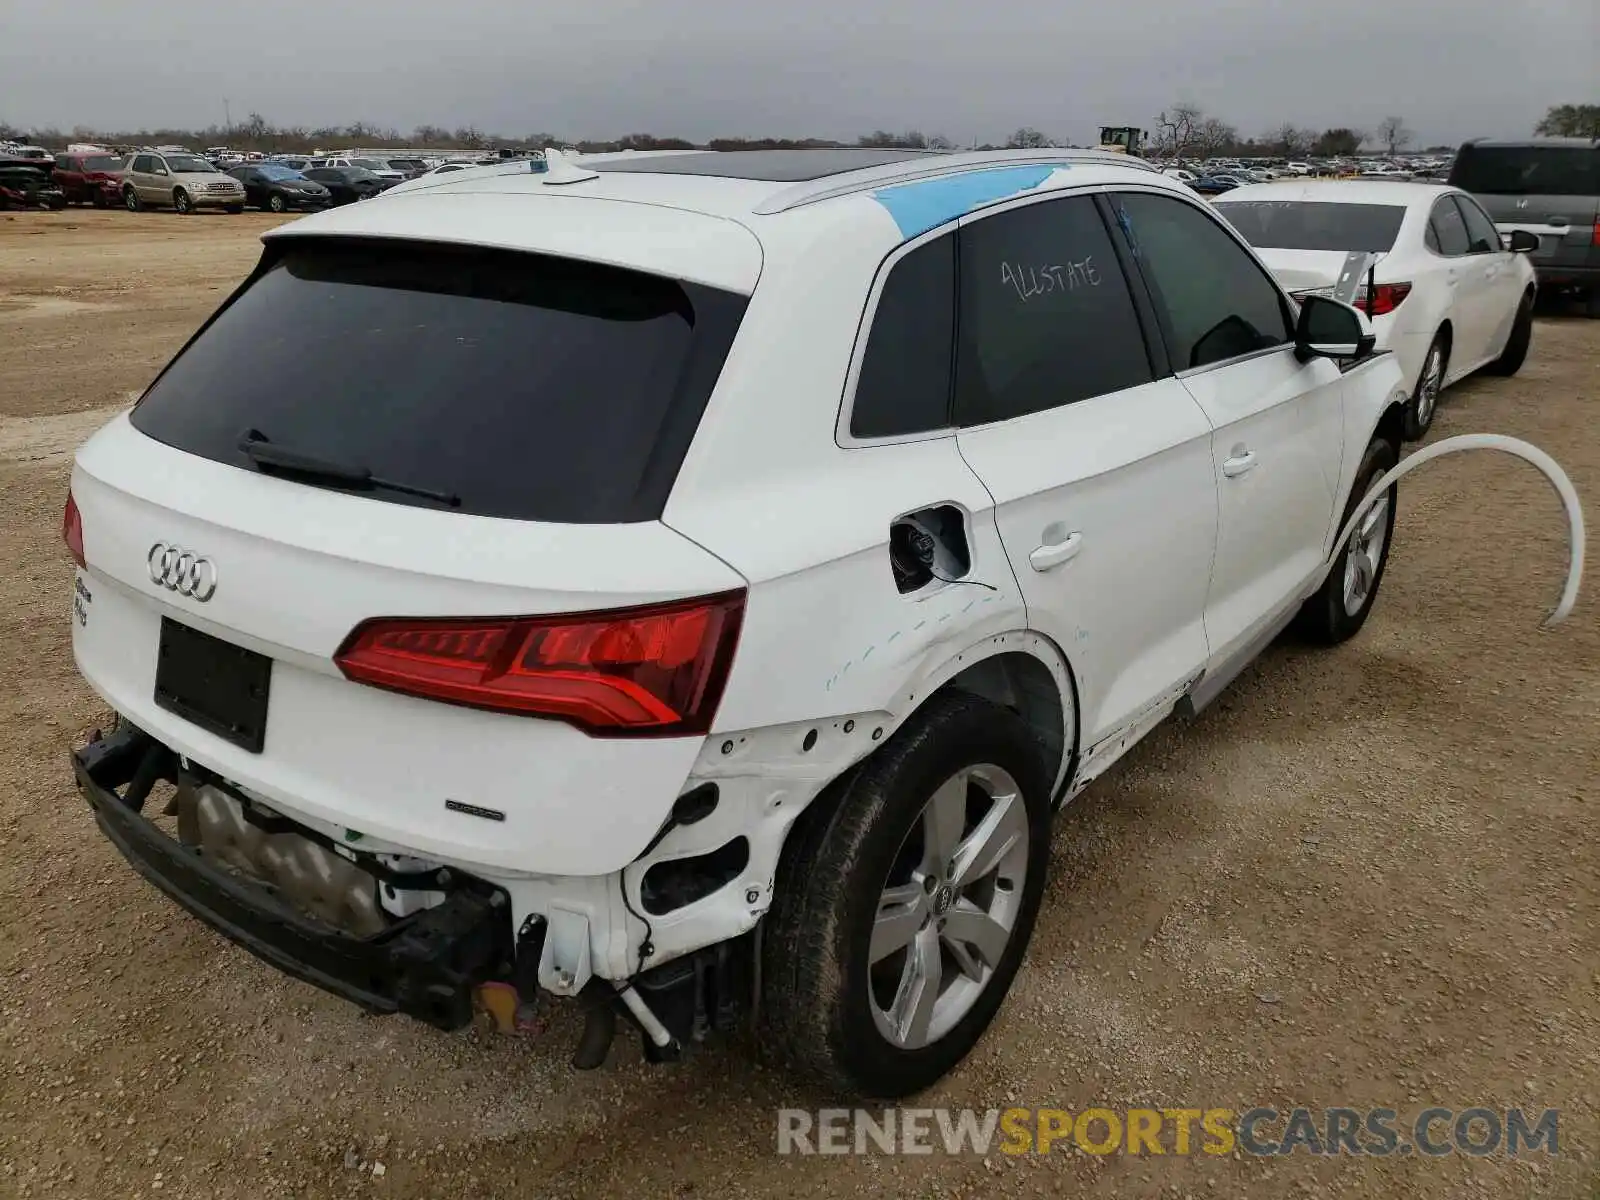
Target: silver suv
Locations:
point(1549, 187)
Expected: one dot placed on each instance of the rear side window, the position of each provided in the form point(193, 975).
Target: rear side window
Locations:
point(1216, 302)
point(526, 386)
point(904, 384)
point(1314, 225)
point(1449, 229)
point(1046, 318)
point(1527, 170)
point(1481, 233)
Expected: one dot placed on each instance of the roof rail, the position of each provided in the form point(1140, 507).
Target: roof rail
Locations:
point(929, 167)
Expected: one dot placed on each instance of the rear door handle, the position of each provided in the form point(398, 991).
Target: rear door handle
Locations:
point(1053, 554)
point(1243, 460)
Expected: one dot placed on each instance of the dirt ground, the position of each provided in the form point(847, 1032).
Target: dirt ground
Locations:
point(1367, 877)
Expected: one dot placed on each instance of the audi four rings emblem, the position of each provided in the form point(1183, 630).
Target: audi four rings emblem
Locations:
point(177, 570)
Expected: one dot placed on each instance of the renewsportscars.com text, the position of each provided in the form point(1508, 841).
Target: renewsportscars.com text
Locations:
point(1260, 1132)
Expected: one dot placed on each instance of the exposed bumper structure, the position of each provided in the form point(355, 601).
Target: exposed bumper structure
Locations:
point(425, 965)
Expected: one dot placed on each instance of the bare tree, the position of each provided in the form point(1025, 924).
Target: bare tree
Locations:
point(939, 142)
point(1214, 136)
point(1027, 138)
point(1394, 135)
point(1175, 129)
point(1289, 141)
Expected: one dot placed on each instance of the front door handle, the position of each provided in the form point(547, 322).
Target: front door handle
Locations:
point(1243, 460)
point(1053, 554)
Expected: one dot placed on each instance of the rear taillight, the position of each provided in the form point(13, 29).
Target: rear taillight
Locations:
point(1386, 299)
point(72, 530)
point(639, 671)
point(1596, 239)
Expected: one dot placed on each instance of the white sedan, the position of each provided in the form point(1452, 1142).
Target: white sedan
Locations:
point(1450, 295)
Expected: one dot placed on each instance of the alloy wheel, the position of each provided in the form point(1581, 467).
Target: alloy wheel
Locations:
point(1363, 554)
point(949, 906)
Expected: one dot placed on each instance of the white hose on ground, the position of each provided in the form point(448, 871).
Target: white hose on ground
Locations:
point(1515, 446)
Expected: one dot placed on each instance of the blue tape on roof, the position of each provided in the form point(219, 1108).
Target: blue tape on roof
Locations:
point(919, 207)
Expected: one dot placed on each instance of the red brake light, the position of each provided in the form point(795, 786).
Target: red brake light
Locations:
point(1596, 239)
point(72, 530)
point(658, 669)
point(1388, 298)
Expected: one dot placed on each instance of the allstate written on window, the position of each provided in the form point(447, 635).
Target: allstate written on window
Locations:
point(1046, 318)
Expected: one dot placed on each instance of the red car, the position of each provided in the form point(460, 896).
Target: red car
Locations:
point(90, 178)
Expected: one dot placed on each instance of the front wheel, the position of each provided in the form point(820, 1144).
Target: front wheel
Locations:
point(903, 909)
point(1516, 351)
point(1341, 605)
point(1424, 400)
point(181, 203)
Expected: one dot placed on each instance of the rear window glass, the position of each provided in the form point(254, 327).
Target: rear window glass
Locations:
point(1314, 225)
point(525, 386)
point(1527, 170)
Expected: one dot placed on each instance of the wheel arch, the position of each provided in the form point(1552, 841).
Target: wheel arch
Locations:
point(1391, 426)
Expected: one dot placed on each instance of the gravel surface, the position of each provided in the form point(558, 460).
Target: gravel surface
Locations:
point(1366, 877)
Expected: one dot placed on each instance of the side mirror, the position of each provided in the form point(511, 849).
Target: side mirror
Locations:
point(1330, 329)
point(1520, 241)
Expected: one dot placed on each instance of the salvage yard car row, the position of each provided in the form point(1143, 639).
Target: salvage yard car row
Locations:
point(185, 182)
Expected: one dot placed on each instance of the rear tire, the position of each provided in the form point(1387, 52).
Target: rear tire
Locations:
point(1341, 605)
point(1594, 303)
point(875, 892)
point(277, 203)
point(130, 200)
point(1424, 402)
point(1516, 351)
point(98, 200)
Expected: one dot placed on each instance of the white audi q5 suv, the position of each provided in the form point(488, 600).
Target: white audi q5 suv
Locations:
point(692, 583)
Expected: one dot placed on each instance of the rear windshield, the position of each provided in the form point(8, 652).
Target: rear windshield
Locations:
point(1309, 225)
point(1527, 170)
point(525, 386)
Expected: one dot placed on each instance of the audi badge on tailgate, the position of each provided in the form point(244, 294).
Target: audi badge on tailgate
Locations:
point(179, 570)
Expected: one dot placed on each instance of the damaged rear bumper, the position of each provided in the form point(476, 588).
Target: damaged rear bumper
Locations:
point(426, 965)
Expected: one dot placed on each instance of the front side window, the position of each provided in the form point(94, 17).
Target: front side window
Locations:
point(1214, 300)
point(903, 387)
point(1045, 314)
point(1450, 229)
point(1482, 236)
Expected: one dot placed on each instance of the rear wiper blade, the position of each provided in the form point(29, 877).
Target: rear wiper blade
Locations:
point(268, 455)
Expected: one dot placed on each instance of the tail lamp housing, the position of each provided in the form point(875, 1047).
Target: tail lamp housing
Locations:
point(655, 670)
point(1384, 299)
point(72, 530)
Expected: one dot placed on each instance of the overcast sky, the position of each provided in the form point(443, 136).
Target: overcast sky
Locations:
point(970, 69)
